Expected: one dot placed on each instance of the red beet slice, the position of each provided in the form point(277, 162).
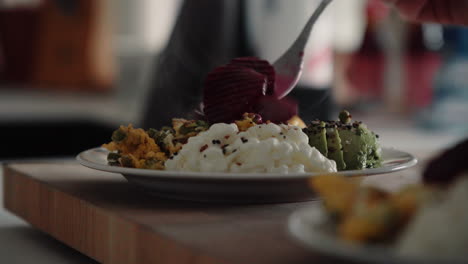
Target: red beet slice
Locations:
point(230, 91)
point(261, 66)
point(276, 110)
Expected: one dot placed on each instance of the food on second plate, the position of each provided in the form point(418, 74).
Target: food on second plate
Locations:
point(417, 221)
point(368, 214)
point(261, 148)
point(439, 229)
point(350, 144)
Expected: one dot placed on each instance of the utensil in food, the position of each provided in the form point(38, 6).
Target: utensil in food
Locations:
point(289, 66)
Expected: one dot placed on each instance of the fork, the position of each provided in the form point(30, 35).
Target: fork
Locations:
point(289, 66)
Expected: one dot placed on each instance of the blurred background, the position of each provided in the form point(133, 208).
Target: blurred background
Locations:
point(71, 71)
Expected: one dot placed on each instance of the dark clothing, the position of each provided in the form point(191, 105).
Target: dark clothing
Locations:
point(206, 35)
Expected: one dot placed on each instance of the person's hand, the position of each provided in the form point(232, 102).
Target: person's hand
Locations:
point(439, 11)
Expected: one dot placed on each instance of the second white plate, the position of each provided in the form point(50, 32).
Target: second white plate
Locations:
point(311, 228)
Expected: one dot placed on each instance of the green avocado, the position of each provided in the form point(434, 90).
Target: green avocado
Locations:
point(317, 136)
point(360, 146)
point(350, 144)
point(335, 151)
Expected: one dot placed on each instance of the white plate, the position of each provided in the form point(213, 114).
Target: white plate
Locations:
point(233, 187)
point(311, 228)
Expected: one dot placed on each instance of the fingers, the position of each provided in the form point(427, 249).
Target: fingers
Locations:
point(440, 11)
point(445, 12)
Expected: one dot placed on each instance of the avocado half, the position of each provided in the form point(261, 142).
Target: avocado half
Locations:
point(350, 144)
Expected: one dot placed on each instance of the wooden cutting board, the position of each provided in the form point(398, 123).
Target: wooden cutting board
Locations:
point(104, 217)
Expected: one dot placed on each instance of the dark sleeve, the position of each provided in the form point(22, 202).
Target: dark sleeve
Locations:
point(204, 37)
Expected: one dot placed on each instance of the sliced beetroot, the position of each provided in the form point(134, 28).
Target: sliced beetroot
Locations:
point(230, 91)
point(245, 85)
point(276, 110)
point(261, 66)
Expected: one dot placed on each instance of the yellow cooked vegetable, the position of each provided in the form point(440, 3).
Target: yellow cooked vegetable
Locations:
point(135, 148)
point(338, 193)
point(366, 213)
point(372, 223)
point(297, 121)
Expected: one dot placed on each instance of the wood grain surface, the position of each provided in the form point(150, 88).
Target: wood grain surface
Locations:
point(104, 217)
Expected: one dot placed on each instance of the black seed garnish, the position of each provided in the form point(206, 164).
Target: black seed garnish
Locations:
point(244, 140)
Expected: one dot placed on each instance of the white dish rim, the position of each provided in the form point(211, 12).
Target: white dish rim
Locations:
point(395, 155)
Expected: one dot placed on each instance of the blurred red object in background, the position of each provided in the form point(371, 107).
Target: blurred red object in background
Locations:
point(57, 44)
point(18, 35)
point(74, 46)
point(418, 64)
point(376, 11)
point(420, 68)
